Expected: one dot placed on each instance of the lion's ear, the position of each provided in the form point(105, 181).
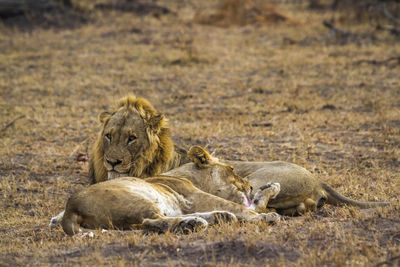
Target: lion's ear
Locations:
point(104, 116)
point(200, 156)
point(156, 122)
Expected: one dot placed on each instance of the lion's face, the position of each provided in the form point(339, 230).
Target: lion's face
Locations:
point(124, 140)
point(134, 141)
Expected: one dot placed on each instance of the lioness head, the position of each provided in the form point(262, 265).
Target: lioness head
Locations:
point(213, 177)
point(132, 136)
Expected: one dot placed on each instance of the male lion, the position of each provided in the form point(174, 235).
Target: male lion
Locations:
point(164, 203)
point(135, 141)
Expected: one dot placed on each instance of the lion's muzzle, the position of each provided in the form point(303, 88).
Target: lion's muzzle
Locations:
point(113, 174)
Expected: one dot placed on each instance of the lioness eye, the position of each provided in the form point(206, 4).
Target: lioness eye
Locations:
point(131, 138)
point(108, 136)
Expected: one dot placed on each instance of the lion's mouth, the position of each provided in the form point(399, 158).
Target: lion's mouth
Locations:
point(113, 174)
point(248, 201)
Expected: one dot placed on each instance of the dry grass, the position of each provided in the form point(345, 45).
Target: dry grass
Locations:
point(244, 92)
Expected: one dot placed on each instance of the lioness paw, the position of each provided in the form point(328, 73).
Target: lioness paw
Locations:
point(223, 216)
point(273, 189)
point(189, 225)
point(53, 222)
point(263, 195)
point(271, 217)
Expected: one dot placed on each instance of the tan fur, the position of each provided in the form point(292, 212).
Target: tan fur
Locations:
point(151, 152)
point(160, 203)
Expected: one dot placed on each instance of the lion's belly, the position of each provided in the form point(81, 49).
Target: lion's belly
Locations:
point(166, 203)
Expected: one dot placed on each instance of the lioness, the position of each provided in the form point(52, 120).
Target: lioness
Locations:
point(136, 141)
point(164, 203)
point(217, 178)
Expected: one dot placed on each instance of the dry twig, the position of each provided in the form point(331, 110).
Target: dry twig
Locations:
point(379, 62)
point(393, 30)
point(389, 15)
point(11, 123)
point(336, 30)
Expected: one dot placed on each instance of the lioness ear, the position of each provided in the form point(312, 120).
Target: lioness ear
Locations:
point(156, 122)
point(200, 156)
point(104, 116)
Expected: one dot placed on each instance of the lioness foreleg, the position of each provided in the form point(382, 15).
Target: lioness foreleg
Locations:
point(181, 224)
point(271, 217)
point(215, 217)
point(263, 195)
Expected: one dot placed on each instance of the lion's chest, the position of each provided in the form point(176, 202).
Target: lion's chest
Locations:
point(166, 203)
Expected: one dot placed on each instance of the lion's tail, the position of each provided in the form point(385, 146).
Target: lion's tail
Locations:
point(70, 223)
point(335, 198)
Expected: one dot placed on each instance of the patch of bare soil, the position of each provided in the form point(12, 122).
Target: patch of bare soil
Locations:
point(137, 7)
point(192, 253)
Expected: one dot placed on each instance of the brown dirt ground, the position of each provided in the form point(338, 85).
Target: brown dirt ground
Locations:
point(263, 91)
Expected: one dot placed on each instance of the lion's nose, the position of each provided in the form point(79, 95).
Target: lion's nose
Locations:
point(114, 163)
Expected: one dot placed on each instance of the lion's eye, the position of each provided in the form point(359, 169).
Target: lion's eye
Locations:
point(131, 138)
point(108, 136)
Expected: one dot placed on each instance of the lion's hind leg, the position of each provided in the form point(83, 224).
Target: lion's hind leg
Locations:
point(181, 224)
point(310, 204)
point(307, 205)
